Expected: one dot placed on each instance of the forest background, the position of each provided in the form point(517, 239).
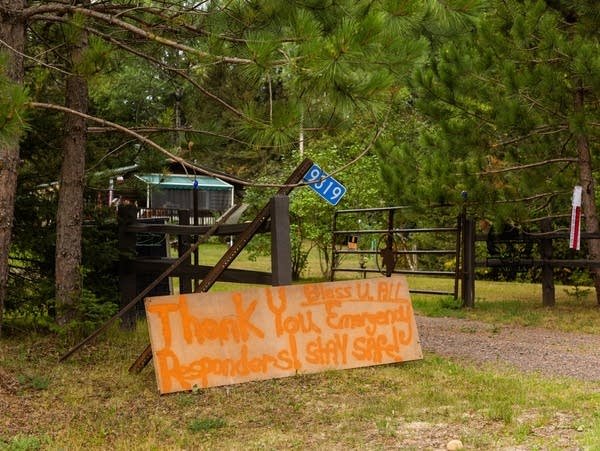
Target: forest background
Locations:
point(407, 102)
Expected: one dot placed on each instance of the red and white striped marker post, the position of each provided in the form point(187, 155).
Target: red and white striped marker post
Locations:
point(575, 235)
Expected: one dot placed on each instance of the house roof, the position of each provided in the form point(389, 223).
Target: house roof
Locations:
point(182, 181)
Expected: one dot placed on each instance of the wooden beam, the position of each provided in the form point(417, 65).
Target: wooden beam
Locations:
point(199, 272)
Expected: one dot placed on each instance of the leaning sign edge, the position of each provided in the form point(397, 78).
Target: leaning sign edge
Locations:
point(213, 339)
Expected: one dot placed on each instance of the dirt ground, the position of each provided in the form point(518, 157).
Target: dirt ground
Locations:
point(530, 349)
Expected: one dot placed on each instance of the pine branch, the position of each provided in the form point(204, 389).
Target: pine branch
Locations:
point(184, 163)
point(198, 169)
point(186, 130)
point(195, 31)
point(41, 12)
point(543, 108)
point(34, 59)
point(538, 131)
point(454, 105)
point(177, 71)
point(532, 198)
point(528, 166)
point(523, 94)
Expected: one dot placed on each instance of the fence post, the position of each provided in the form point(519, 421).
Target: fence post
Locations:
point(183, 244)
point(127, 215)
point(391, 261)
point(460, 222)
point(281, 250)
point(194, 238)
point(468, 270)
point(546, 251)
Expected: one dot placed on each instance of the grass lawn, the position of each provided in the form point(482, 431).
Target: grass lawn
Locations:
point(92, 402)
point(513, 303)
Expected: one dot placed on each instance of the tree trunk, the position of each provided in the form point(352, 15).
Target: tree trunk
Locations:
point(12, 32)
point(69, 216)
point(588, 202)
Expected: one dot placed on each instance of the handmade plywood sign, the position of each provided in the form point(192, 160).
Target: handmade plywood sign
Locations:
point(211, 339)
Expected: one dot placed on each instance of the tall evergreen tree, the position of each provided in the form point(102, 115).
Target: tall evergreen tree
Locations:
point(267, 74)
point(69, 217)
point(513, 116)
point(12, 100)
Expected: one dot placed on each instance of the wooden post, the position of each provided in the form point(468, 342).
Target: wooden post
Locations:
point(281, 249)
point(546, 251)
point(457, 259)
point(334, 256)
point(127, 215)
point(183, 244)
point(195, 237)
point(468, 273)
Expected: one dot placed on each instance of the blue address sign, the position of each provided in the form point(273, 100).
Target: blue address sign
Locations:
point(325, 186)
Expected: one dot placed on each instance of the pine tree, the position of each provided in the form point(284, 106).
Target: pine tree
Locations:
point(12, 100)
point(513, 115)
point(250, 80)
point(69, 215)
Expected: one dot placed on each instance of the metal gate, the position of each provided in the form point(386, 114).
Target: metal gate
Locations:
point(390, 240)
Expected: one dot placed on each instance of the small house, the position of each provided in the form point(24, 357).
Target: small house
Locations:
point(176, 192)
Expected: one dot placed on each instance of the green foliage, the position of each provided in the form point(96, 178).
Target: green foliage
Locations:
point(314, 68)
point(247, 82)
point(31, 261)
point(498, 116)
point(131, 93)
point(13, 106)
point(24, 443)
point(30, 301)
point(101, 256)
point(34, 382)
point(206, 424)
point(439, 307)
point(450, 303)
point(91, 312)
point(579, 279)
point(310, 216)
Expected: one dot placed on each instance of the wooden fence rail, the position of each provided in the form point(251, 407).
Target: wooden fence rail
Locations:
point(537, 250)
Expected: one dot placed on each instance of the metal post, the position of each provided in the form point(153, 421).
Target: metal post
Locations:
point(127, 215)
point(389, 267)
point(281, 249)
point(183, 244)
point(459, 261)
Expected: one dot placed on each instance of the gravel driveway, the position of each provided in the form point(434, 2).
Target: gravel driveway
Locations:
point(547, 352)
